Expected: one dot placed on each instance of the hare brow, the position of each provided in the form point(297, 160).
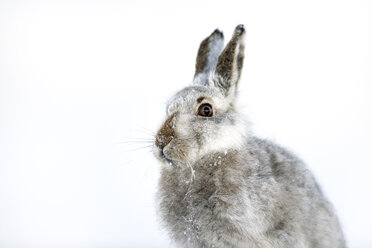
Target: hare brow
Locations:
point(200, 99)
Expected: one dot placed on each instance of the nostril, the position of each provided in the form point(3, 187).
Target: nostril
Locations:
point(162, 141)
point(166, 158)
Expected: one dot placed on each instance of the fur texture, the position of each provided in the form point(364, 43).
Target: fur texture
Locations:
point(221, 186)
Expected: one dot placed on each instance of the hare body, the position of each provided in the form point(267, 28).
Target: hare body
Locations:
point(264, 197)
point(220, 186)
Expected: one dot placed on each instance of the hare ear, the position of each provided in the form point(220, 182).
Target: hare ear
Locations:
point(208, 53)
point(230, 63)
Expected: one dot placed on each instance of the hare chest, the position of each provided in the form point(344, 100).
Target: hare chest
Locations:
point(205, 207)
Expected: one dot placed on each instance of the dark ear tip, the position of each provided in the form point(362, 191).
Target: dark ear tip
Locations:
point(240, 26)
point(240, 29)
point(217, 33)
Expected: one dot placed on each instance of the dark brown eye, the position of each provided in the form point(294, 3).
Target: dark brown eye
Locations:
point(205, 110)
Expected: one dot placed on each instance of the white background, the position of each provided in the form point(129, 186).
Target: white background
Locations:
point(81, 81)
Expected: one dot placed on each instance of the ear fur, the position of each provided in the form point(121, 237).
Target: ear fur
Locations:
point(209, 50)
point(230, 63)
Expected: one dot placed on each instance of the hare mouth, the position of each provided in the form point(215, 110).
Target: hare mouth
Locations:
point(164, 157)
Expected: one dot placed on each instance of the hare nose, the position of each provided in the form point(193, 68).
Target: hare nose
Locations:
point(166, 133)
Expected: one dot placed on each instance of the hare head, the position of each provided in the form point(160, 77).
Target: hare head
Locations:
point(202, 118)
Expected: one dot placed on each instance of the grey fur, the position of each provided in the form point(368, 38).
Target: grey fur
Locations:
point(221, 186)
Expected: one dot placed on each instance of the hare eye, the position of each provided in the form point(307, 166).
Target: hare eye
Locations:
point(205, 110)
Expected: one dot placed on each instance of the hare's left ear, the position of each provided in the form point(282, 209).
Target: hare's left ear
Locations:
point(230, 63)
point(209, 50)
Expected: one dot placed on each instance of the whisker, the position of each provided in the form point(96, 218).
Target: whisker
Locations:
point(136, 142)
point(137, 138)
point(148, 131)
point(141, 148)
point(188, 165)
point(146, 136)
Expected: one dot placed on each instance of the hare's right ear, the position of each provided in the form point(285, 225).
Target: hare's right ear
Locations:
point(207, 57)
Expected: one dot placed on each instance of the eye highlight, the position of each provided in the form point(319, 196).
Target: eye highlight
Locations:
point(205, 110)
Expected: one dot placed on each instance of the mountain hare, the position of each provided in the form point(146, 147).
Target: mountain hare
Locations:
point(222, 187)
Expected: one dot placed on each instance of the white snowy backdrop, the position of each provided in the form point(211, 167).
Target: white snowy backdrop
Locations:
point(83, 82)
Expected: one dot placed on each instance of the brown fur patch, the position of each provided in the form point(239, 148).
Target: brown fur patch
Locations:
point(166, 133)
